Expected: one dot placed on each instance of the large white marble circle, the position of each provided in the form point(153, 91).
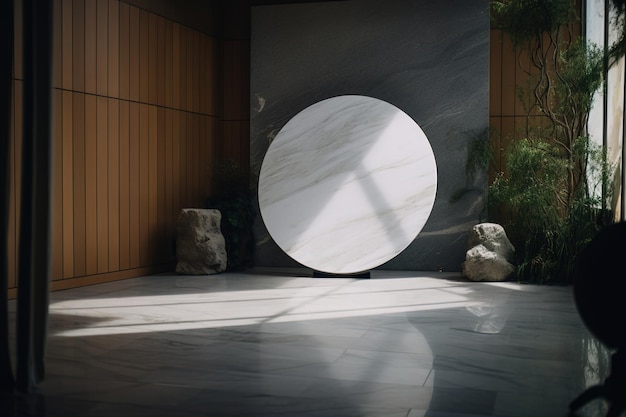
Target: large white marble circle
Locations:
point(347, 184)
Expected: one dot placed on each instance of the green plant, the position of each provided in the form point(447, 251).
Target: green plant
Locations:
point(547, 228)
point(232, 198)
point(552, 193)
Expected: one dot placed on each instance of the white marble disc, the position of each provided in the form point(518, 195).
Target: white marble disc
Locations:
point(347, 184)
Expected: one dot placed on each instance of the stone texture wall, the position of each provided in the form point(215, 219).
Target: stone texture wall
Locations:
point(430, 59)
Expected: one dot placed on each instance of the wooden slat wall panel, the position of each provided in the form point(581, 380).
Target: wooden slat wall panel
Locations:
point(124, 51)
point(91, 196)
point(67, 181)
point(134, 197)
point(57, 187)
point(91, 45)
point(113, 209)
point(124, 185)
point(161, 228)
point(153, 62)
point(161, 61)
point(168, 196)
point(113, 48)
point(144, 184)
point(234, 126)
point(79, 148)
point(144, 56)
point(176, 164)
point(212, 79)
point(169, 63)
point(78, 45)
point(102, 183)
point(136, 134)
point(151, 243)
point(176, 60)
point(102, 45)
point(134, 33)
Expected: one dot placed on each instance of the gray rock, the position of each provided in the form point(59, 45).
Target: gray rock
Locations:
point(200, 246)
point(494, 238)
point(490, 255)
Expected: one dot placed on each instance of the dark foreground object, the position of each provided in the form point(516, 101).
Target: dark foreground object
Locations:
point(598, 295)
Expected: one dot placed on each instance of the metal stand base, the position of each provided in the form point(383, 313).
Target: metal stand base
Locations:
point(320, 274)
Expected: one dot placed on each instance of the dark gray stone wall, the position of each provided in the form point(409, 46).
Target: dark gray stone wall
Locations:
point(430, 59)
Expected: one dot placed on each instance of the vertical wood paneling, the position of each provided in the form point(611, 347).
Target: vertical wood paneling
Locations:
point(91, 185)
point(209, 161)
point(227, 79)
point(169, 176)
point(495, 71)
point(67, 181)
point(184, 161)
point(195, 160)
point(160, 167)
point(160, 81)
point(176, 60)
point(113, 49)
point(169, 65)
point(78, 45)
point(144, 56)
point(134, 180)
point(176, 177)
point(91, 46)
point(233, 82)
point(202, 57)
point(153, 62)
point(57, 188)
point(124, 185)
point(124, 52)
point(144, 184)
point(508, 79)
point(495, 122)
point(204, 138)
point(102, 183)
point(135, 130)
point(102, 41)
point(113, 184)
point(195, 72)
point(153, 191)
point(79, 203)
point(244, 79)
point(211, 77)
point(134, 48)
point(67, 44)
point(182, 64)
point(189, 62)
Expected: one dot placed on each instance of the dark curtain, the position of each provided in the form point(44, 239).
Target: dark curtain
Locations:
point(6, 88)
point(34, 227)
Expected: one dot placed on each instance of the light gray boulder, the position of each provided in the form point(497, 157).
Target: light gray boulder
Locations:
point(200, 245)
point(490, 256)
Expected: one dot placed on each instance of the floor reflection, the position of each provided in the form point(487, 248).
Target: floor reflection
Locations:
point(262, 344)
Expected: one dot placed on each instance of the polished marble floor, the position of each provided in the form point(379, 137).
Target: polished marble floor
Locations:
point(279, 343)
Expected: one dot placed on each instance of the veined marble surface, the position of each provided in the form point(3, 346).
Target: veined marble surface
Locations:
point(430, 59)
point(347, 184)
point(266, 343)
